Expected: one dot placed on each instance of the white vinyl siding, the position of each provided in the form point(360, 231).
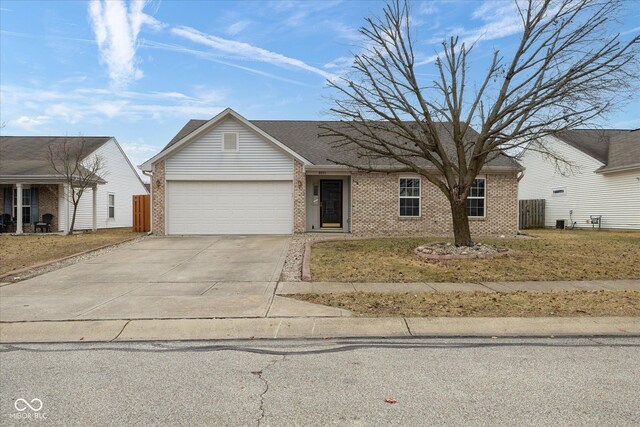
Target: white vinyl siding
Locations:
point(205, 159)
point(229, 207)
point(615, 196)
point(122, 180)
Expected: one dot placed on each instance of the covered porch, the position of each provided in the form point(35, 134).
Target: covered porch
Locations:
point(328, 201)
point(27, 204)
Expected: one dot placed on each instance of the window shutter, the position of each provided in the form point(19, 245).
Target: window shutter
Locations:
point(8, 198)
point(34, 205)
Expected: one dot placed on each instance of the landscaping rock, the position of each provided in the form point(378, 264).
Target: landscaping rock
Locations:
point(446, 250)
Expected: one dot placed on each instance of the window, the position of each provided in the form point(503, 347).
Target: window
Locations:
point(229, 141)
point(409, 196)
point(112, 205)
point(26, 205)
point(476, 199)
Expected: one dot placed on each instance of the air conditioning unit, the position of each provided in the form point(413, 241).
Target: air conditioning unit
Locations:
point(560, 224)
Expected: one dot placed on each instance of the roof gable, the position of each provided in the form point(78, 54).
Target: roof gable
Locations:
point(196, 128)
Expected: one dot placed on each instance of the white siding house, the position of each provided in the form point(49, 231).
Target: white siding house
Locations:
point(597, 185)
point(122, 182)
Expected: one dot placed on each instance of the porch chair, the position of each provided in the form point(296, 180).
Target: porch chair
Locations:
point(45, 224)
point(7, 223)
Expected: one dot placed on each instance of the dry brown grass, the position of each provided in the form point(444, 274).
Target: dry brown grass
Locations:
point(23, 251)
point(553, 255)
point(483, 304)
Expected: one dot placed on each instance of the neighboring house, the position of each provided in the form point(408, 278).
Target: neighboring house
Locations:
point(229, 175)
point(605, 179)
point(25, 169)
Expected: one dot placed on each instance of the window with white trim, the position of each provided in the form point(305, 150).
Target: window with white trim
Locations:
point(476, 199)
point(26, 205)
point(409, 197)
point(229, 141)
point(112, 205)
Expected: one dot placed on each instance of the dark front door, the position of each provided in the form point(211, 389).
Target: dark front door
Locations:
point(330, 204)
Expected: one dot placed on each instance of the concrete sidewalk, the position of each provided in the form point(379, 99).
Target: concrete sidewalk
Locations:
point(292, 288)
point(271, 328)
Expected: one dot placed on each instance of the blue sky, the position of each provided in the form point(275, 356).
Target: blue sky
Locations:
point(139, 71)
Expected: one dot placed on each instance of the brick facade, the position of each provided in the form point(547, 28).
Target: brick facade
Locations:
point(299, 198)
point(158, 191)
point(375, 207)
point(48, 203)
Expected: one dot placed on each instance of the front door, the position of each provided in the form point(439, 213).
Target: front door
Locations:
point(330, 204)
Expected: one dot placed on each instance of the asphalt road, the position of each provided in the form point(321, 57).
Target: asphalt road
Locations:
point(546, 381)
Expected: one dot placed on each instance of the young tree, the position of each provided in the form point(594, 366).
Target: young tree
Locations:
point(569, 67)
point(80, 171)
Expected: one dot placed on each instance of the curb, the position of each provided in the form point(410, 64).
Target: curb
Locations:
point(306, 262)
point(309, 327)
point(48, 263)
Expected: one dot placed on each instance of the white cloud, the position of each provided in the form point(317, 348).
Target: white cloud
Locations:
point(247, 51)
point(501, 20)
point(427, 8)
point(28, 108)
point(237, 27)
point(29, 123)
point(116, 27)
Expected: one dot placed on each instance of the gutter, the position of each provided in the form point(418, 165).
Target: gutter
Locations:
point(605, 170)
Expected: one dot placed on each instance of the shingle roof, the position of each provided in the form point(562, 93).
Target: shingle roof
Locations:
point(624, 150)
point(614, 148)
point(28, 155)
point(302, 136)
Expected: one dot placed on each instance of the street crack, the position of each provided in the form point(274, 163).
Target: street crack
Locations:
point(260, 375)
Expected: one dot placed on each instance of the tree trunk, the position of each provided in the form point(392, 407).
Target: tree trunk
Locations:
point(73, 218)
point(461, 231)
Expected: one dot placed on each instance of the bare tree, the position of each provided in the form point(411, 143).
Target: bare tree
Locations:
point(80, 171)
point(569, 68)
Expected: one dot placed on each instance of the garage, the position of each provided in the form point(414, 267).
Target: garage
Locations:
point(229, 207)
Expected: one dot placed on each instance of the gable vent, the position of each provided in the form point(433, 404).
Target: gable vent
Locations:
point(229, 141)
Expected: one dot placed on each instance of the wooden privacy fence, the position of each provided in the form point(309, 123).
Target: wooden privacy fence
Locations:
point(532, 213)
point(142, 213)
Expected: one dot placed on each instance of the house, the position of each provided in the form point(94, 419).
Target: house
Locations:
point(229, 175)
point(27, 180)
point(604, 180)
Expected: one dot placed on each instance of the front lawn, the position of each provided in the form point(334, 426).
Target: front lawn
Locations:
point(553, 255)
point(483, 304)
point(30, 249)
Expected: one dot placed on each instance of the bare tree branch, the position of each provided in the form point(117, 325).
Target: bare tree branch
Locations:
point(568, 69)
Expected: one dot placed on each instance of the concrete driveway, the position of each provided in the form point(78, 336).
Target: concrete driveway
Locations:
point(172, 277)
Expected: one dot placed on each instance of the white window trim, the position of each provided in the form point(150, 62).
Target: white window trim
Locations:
point(419, 197)
point(109, 206)
point(484, 178)
point(237, 134)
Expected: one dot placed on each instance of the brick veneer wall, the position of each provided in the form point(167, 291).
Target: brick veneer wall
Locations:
point(299, 198)
point(48, 203)
point(375, 207)
point(158, 192)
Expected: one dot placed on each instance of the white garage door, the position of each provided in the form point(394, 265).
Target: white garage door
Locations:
point(229, 207)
